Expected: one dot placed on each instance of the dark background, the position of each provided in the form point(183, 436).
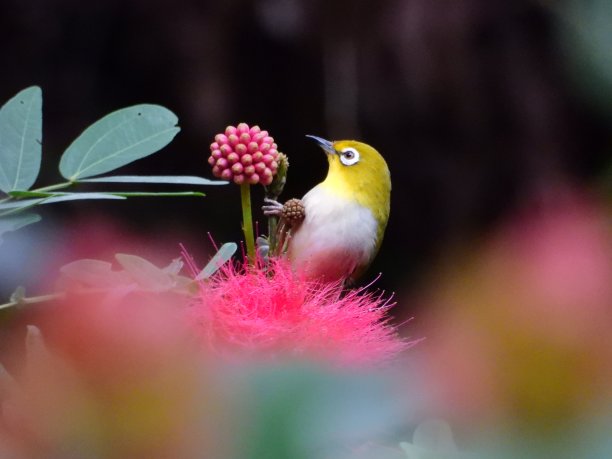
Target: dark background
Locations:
point(477, 105)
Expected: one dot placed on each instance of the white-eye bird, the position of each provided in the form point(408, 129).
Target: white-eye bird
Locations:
point(345, 216)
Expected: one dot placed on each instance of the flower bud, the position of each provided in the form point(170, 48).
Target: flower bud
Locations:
point(244, 154)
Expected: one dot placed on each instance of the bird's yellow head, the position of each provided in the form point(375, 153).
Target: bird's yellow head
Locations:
point(358, 172)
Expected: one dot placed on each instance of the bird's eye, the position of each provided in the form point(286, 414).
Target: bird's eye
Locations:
point(349, 156)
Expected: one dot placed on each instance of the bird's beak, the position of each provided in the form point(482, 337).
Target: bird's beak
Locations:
point(326, 145)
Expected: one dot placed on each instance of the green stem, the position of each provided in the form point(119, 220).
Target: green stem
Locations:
point(44, 189)
point(272, 225)
point(155, 194)
point(32, 300)
point(57, 186)
point(247, 221)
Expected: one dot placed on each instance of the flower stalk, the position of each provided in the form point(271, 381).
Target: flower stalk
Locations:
point(247, 222)
point(273, 191)
point(32, 300)
point(248, 156)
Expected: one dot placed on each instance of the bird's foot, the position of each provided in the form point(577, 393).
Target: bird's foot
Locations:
point(273, 208)
point(292, 211)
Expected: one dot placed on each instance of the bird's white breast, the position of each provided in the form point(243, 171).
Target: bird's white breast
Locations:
point(337, 235)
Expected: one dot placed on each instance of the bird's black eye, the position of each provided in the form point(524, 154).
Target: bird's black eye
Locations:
point(349, 156)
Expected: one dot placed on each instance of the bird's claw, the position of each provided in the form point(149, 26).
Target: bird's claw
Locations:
point(274, 208)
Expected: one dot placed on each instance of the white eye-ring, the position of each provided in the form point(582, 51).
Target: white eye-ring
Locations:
point(349, 156)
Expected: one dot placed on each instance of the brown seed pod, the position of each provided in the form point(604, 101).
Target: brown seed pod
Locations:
point(293, 211)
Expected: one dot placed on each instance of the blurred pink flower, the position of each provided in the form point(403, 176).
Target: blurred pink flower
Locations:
point(520, 328)
point(280, 311)
point(120, 378)
point(560, 260)
point(244, 154)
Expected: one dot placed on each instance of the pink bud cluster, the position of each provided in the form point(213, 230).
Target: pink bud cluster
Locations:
point(244, 154)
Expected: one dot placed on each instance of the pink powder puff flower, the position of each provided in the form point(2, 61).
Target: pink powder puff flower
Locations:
point(244, 154)
point(258, 312)
point(118, 377)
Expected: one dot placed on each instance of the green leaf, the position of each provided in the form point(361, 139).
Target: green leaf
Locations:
point(15, 222)
point(20, 140)
point(36, 350)
point(18, 295)
point(434, 435)
point(77, 267)
point(117, 194)
point(13, 210)
point(182, 284)
point(31, 194)
point(118, 139)
point(53, 197)
point(174, 267)
point(94, 273)
point(221, 257)
point(145, 273)
point(8, 385)
point(161, 194)
point(585, 34)
point(170, 179)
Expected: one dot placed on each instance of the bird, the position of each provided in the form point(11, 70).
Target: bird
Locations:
point(344, 216)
